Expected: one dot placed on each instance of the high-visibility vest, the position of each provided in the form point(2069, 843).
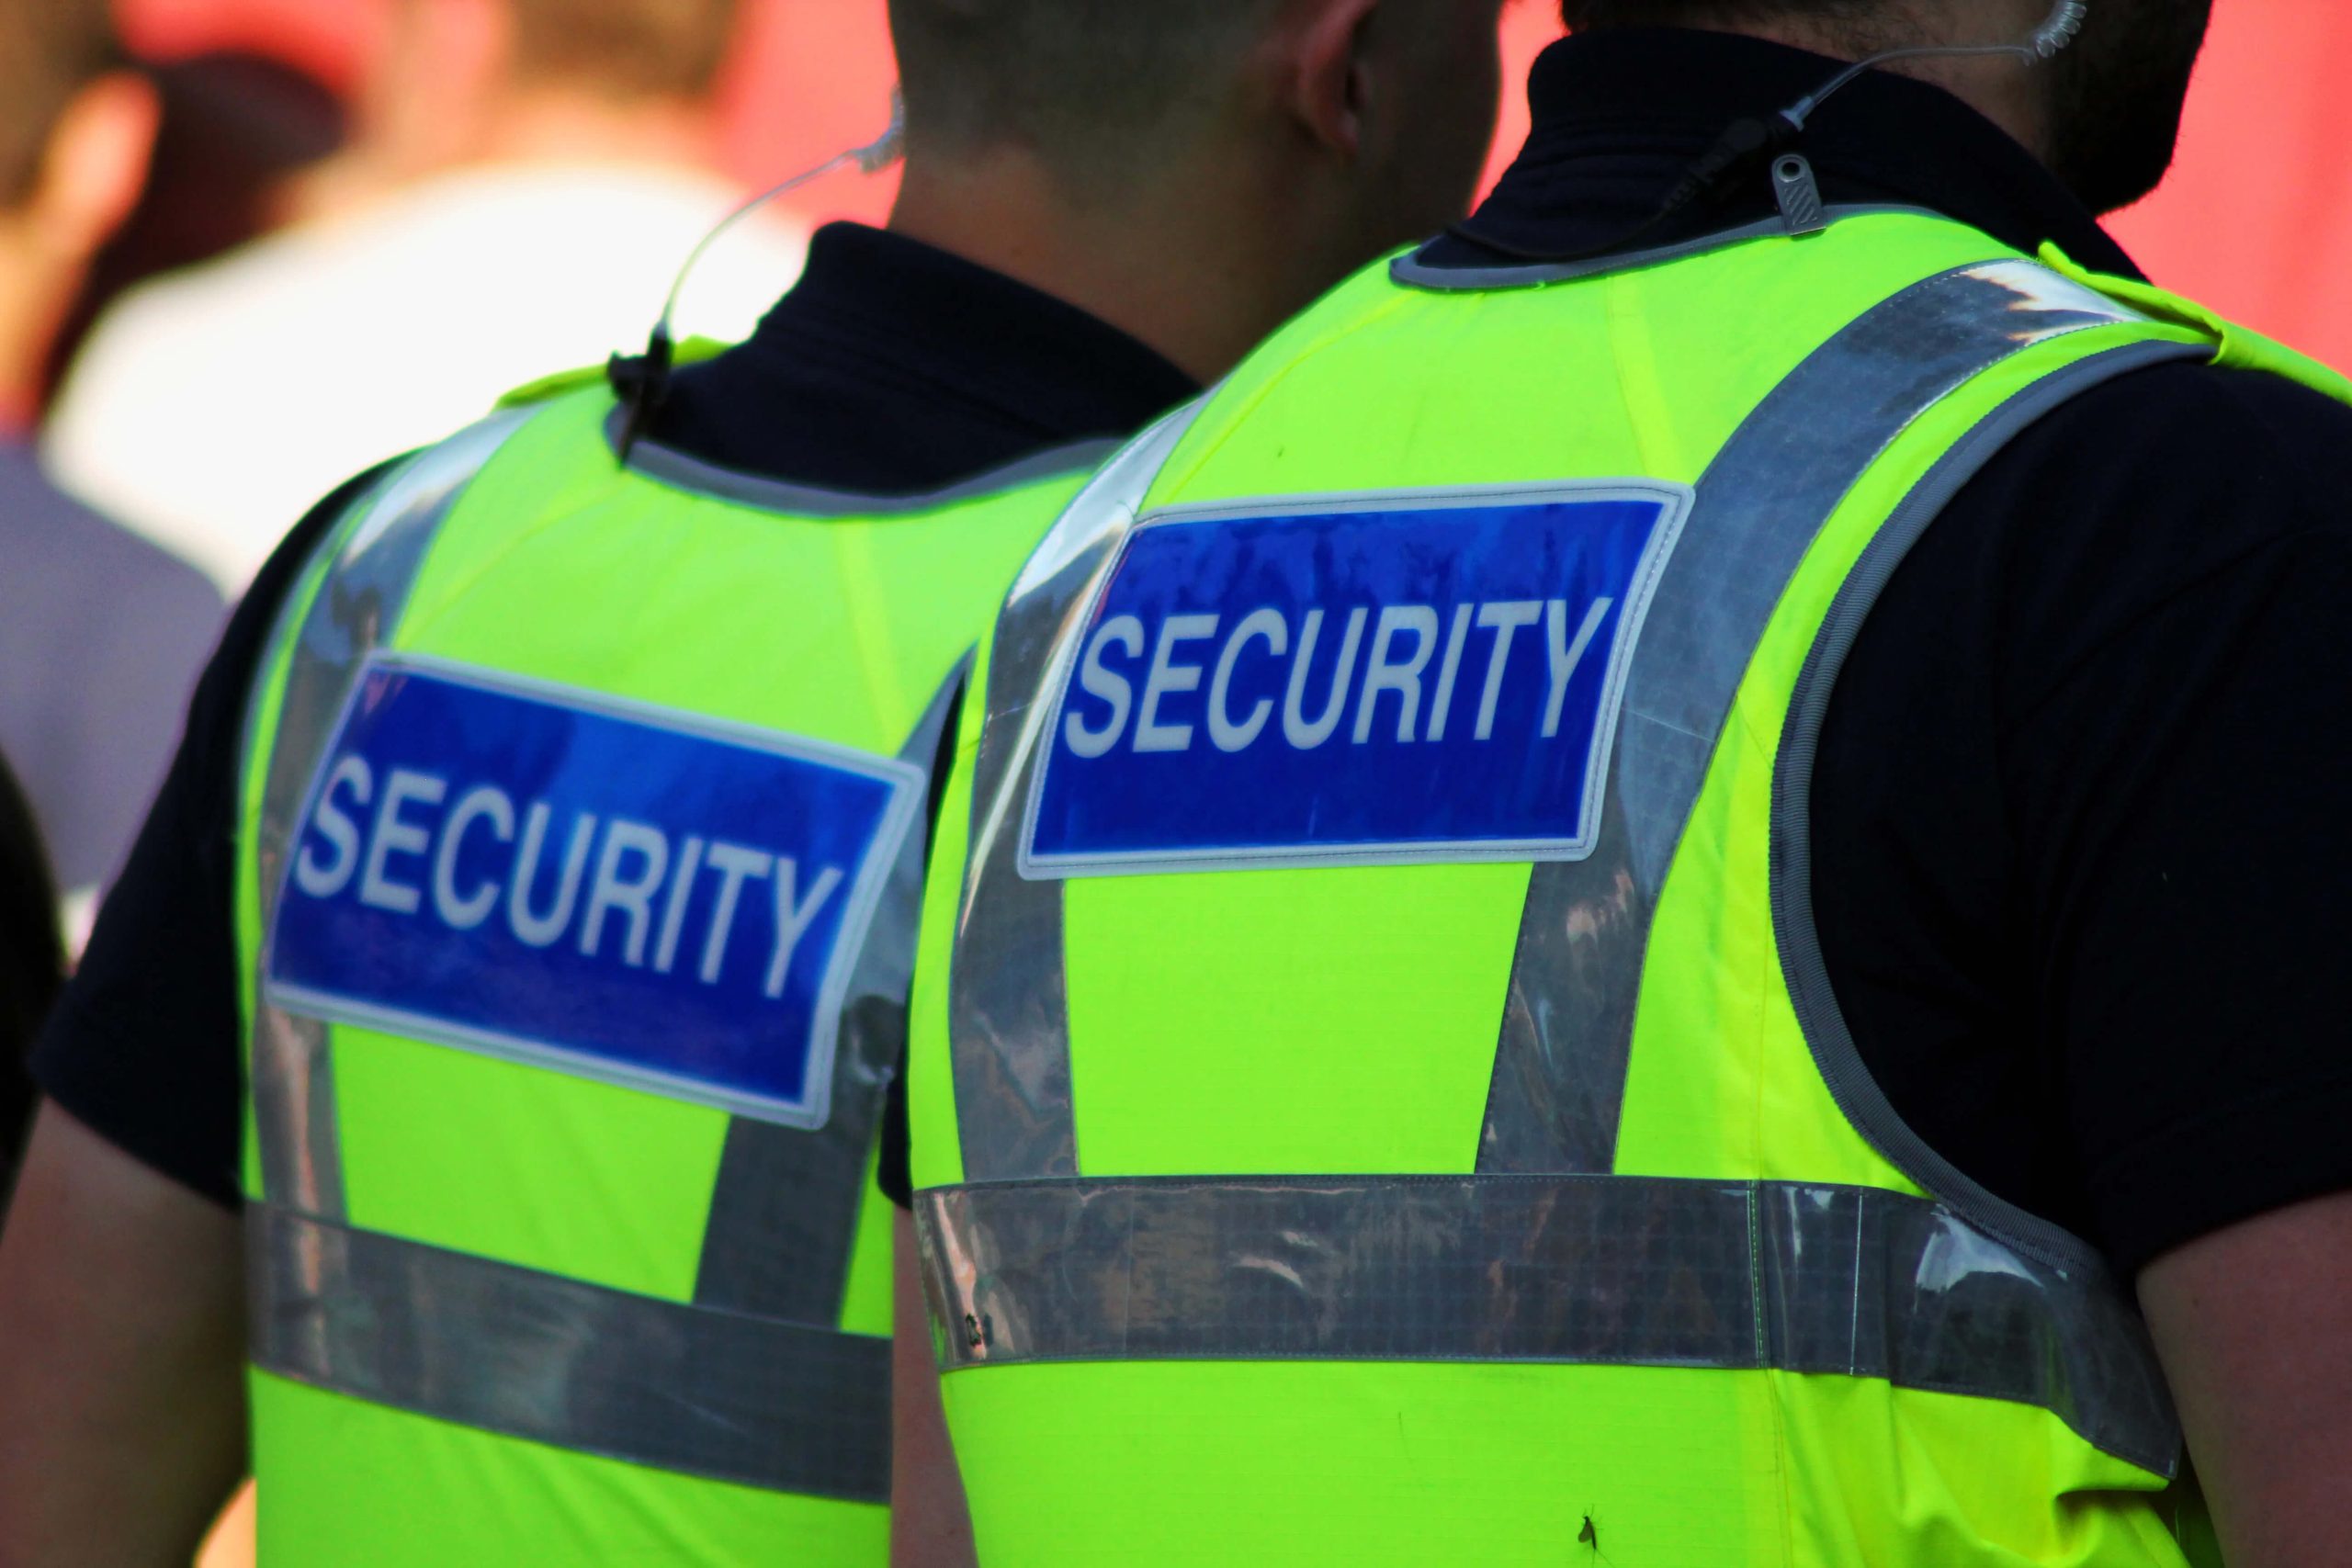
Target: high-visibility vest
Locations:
point(582, 819)
point(1376, 1094)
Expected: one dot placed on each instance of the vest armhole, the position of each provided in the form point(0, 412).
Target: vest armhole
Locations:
point(1796, 928)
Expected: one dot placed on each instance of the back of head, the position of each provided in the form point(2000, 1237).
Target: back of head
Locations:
point(1115, 150)
point(1854, 27)
point(49, 50)
point(624, 49)
point(2104, 115)
point(1586, 15)
point(1084, 84)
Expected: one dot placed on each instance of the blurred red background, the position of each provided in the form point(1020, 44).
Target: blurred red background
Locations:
point(2254, 219)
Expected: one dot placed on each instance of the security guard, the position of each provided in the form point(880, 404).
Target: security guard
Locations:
point(562, 797)
point(1605, 910)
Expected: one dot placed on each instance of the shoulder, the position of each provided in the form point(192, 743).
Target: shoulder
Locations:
point(2220, 410)
point(2200, 428)
point(217, 720)
point(2167, 482)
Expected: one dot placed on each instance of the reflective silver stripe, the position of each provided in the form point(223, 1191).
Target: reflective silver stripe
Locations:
point(1560, 1066)
point(784, 1215)
point(1008, 996)
point(1600, 1270)
point(376, 559)
point(481, 1344)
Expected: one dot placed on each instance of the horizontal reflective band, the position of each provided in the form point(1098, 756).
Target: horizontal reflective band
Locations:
point(785, 1407)
point(1611, 1271)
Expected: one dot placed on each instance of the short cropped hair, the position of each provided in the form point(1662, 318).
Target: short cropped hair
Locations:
point(628, 49)
point(1593, 15)
point(1084, 83)
point(50, 49)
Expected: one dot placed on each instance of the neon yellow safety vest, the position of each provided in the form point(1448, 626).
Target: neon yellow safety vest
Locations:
point(1377, 1095)
point(583, 822)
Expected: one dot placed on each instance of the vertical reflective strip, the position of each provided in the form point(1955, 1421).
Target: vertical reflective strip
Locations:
point(1552, 1270)
point(1008, 991)
point(789, 1407)
point(359, 605)
point(1560, 1066)
point(784, 1218)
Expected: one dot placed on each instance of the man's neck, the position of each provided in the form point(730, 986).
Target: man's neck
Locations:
point(1166, 271)
point(2000, 88)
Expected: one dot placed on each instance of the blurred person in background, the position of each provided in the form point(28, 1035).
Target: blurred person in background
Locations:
point(241, 139)
point(101, 633)
point(548, 836)
point(526, 180)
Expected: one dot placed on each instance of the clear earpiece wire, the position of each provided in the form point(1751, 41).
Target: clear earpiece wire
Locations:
point(2050, 40)
point(644, 383)
point(871, 158)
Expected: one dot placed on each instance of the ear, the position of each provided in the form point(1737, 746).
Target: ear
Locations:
point(95, 166)
point(1331, 84)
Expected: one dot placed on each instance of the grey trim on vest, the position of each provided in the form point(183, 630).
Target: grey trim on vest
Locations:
point(1798, 937)
point(784, 1218)
point(373, 562)
point(1566, 1037)
point(464, 1340)
point(294, 1112)
point(1411, 271)
point(1008, 995)
point(668, 466)
point(1560, 1270)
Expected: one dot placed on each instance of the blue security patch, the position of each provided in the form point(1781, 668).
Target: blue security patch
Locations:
point(1383, 680)
point(621, 892)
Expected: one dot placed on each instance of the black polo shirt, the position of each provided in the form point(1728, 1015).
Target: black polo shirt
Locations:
point(891, 368)
point(2079, 835)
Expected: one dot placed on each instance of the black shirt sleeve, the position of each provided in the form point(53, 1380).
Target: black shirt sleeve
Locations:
point(897, 1172)
point(2080, 851)
point(143, 1046)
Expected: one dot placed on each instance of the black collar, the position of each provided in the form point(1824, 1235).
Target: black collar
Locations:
point(965, 325)
point(894, 366)
point(1620, 117)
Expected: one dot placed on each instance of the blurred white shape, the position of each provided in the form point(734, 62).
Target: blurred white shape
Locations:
point(212, 408)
